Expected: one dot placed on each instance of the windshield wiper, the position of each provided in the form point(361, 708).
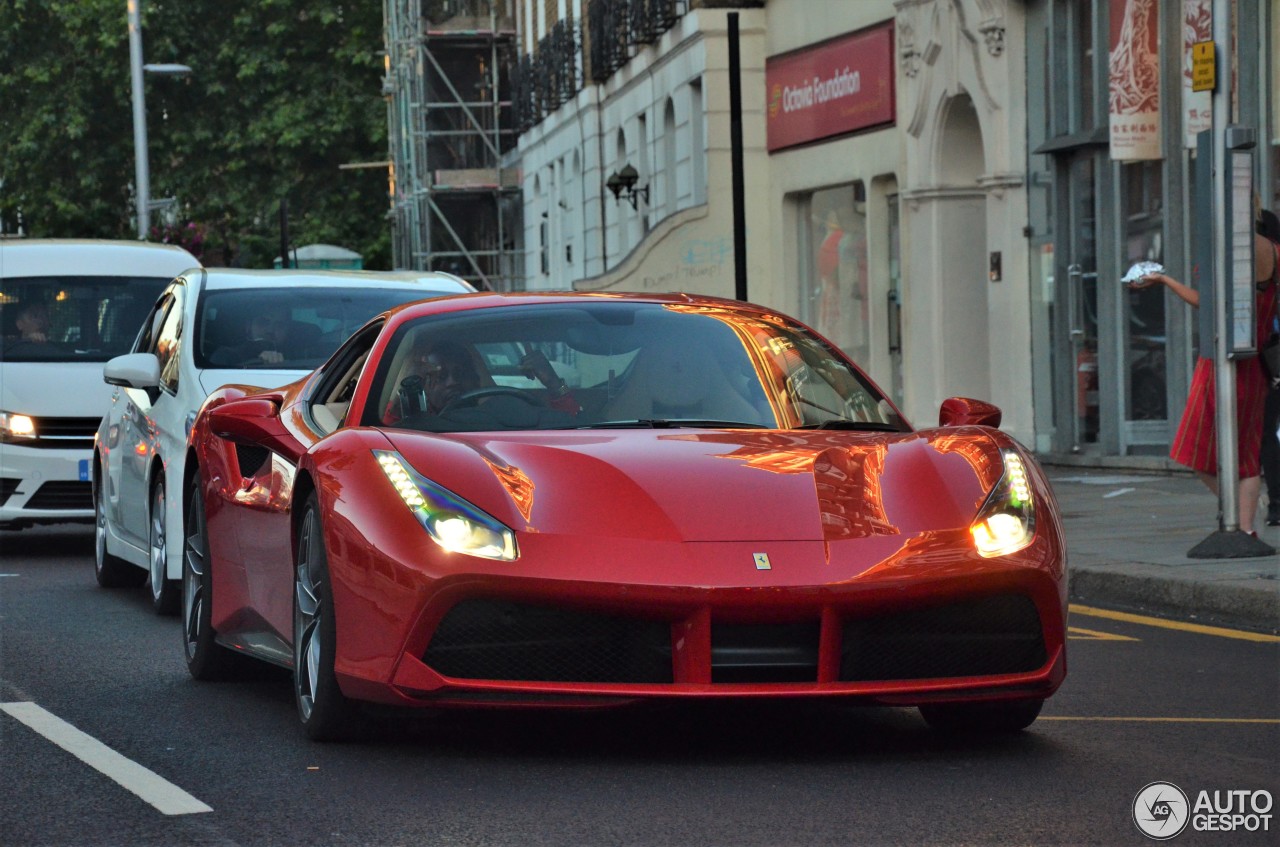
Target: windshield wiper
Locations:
point(844, 423)
point(672, 423)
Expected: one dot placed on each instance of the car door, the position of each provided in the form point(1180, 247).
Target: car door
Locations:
point(264, 527)
point(138, 429)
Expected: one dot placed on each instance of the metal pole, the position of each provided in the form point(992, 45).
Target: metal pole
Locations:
point(141, 171)
point(284, 232)
point(1224, 368)
point(735, 144)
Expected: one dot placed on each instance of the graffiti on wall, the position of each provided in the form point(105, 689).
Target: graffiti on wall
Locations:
point(697, 259)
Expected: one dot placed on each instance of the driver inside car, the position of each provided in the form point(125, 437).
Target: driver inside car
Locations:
point(436, 374)
point(265, 341)
point(439, 373)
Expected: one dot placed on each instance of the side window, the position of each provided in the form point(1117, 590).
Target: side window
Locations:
point(146, 342)
point(169, 342)
point(332, 398)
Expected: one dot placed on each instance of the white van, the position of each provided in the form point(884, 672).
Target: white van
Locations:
point(66, 307)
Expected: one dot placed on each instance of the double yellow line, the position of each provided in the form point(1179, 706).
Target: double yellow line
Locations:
point(1143, 620)
point(1202, 629)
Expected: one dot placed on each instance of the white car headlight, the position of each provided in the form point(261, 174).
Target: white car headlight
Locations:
point(14, 427)
point(1006, 523)
point(452, 522)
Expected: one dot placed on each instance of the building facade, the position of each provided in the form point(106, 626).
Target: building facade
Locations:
point(930, 183)
point(1112, 119)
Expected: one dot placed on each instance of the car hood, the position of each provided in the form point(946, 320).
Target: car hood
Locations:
point(698, 485)
point(54, 389)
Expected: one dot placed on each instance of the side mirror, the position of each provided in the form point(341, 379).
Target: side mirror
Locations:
point(133, 370)
point(965, 411)
point(254, 421)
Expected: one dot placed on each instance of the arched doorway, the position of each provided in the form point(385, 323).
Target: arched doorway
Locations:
point(960, 231)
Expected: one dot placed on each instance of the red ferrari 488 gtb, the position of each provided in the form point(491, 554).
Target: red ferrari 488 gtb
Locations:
point(580, 499)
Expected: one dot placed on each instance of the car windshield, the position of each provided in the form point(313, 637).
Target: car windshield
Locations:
point(73, 318)
point(611, 364)
point(297, 327)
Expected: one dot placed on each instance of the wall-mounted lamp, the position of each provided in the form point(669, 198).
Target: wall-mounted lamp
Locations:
point(623, 185)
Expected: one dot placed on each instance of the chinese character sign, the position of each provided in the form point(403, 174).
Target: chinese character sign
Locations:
point(1197, 28)
point(1135, 81)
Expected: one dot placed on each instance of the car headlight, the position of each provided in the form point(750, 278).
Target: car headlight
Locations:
point(16, 428)
point(1007, 520)
point(453, 523)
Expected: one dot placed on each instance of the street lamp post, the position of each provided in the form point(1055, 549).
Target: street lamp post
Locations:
point(142, 174)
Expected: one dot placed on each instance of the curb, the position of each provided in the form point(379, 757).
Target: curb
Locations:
point(1235, 605)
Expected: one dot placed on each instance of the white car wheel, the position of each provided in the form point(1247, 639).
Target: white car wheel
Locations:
point(166, 594)
point(111, 571)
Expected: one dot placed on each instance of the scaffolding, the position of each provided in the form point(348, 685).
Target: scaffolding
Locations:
point(454, 206)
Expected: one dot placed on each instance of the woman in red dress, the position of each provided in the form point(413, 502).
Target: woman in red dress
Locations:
point(1196, 443)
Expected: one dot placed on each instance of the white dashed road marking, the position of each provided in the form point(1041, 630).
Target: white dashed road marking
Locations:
point(154, 789)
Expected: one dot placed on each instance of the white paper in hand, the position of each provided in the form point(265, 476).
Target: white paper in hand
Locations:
point(1141, 269)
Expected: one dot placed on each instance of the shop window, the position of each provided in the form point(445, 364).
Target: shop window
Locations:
point(836, 268)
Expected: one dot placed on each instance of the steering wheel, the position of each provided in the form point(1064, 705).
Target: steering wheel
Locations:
point(413, 397)
point(474, 396)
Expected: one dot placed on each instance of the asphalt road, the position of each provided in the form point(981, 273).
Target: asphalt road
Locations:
point(1142, 704)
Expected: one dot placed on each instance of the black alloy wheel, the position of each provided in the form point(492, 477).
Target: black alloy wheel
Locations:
point(206, 659)
point(326, 714)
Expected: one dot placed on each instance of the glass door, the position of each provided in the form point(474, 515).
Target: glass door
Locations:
point(1081, 311)
point(1146, 415)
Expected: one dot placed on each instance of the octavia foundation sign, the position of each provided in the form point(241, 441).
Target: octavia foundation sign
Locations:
point(836, 87)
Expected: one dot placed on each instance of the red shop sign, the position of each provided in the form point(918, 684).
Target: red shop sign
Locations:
point(837, 87)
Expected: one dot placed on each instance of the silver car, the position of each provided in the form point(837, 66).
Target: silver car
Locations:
point(209, 328)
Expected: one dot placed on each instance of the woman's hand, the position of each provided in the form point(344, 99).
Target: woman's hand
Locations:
point(1150, 280)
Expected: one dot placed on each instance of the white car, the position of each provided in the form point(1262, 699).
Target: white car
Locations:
point(209, 328)
point(66, 307)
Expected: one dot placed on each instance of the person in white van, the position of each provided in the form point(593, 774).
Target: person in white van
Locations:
point(33, 324)
point(66, 307)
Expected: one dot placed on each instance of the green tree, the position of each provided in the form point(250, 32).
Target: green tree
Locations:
point(282, 93)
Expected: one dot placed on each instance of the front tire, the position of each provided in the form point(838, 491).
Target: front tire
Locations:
point(206, 658)
point(166, 594)
point(992, 717)
point(111, 571)
point(326, 714)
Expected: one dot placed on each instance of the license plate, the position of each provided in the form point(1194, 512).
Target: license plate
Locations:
point(84, 470)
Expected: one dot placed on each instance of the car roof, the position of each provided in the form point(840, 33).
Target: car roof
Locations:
point(35, 257)
point(427, 281)
point(493, 299)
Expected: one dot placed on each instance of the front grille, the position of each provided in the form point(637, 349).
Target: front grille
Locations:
point(65, 433)
point(992, 635)
point(7, 487)
point(62, 495)
point(764, 652)
point(491, 639)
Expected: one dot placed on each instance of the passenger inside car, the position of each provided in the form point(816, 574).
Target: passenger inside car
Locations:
point(33, 324)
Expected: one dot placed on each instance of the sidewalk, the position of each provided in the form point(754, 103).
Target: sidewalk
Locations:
point(1128, 533)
